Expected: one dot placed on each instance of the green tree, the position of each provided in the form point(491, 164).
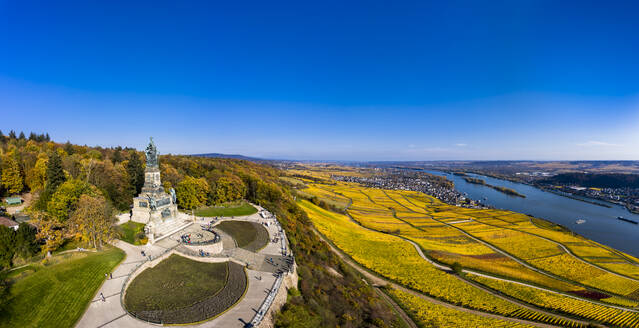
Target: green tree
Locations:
point(93, 221)
point(136, 173)
point(68, 148)
point(65, 200)
point(11, 177)
point(7, 246)
point(117, 155)
point(192, 192)
point(25, 241)
point(55, 173)
point(54, 178)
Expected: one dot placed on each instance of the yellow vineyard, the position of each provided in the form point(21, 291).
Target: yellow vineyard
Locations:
point(506, 258)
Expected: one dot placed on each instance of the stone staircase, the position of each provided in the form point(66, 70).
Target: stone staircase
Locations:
point(170, 227)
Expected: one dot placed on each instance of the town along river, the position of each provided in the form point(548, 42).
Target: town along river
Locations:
point(601, 223)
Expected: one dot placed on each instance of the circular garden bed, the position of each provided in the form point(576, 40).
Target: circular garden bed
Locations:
point(179, 290)
point(248, 235)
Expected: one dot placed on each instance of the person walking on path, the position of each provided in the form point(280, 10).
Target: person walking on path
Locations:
point(111, 275)
point(102, 297)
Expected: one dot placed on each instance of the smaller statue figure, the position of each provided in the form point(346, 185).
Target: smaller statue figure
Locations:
point(173, 196)
point(152, 204)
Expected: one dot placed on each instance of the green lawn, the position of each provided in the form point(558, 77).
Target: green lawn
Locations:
point(235, 209)
point(131, 232)
point(248, 235)
point(57, 295)
point(175, 283)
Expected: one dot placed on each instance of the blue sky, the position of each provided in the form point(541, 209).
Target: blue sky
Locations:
point(328, 80)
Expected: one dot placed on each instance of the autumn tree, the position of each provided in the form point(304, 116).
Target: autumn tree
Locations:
point(170, 175)
point(192, 192)
point(11, 177)
point(37, 176)
point(93, 220)
point(51, 231)
point(65, 200)
point(228, 188)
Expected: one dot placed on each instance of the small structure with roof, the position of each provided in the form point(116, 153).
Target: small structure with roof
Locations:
point(7, 222)
point(13, 200)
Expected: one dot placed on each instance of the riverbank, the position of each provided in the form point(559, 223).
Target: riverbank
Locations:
point(602, 224)
point(504, 190)
point(568, 195)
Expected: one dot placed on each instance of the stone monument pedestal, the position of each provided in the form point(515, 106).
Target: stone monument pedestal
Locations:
point(153, 206)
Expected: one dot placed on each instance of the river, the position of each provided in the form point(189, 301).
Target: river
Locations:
point(601, 223)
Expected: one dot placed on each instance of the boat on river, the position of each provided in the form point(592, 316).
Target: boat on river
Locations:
point(627, 220)
point(580, 221)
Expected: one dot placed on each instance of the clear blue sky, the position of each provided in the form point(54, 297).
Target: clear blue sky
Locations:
point(328, 80)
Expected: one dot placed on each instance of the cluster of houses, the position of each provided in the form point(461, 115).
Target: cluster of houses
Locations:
point(406, 180)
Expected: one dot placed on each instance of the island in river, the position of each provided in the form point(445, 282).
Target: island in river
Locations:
point(501, 189)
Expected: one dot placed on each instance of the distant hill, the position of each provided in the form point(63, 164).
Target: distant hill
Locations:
point(612, 180)
point(232, 156)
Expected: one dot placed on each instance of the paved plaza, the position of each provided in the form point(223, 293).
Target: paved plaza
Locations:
point(261, 269)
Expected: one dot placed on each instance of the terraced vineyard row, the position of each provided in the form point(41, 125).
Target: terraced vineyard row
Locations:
point(435, 315)
point(600, 313)
point(567, 262)
point(420, 218)
point(379, 253)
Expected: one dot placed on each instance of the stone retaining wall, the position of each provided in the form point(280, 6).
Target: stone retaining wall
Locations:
point(214, 248)
point(290, 281)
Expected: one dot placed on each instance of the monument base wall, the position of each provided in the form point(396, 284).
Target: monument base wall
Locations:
point(214, 248)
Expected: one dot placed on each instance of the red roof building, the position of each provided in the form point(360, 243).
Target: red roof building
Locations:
point(8, 223)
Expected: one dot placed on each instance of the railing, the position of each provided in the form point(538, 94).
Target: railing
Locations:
point(267, 301)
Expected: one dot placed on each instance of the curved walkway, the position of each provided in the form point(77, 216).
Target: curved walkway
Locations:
point(111, 313)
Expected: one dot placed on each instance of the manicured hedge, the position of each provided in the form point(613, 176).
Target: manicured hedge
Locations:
point(204, 309)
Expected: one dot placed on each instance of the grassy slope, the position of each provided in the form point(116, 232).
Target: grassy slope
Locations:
point(57, 295)
point(232, 210)
point(175, 282)
point(248, 235)
point(129, 230)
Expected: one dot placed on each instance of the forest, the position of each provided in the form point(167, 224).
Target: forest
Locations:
point(595, 180)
